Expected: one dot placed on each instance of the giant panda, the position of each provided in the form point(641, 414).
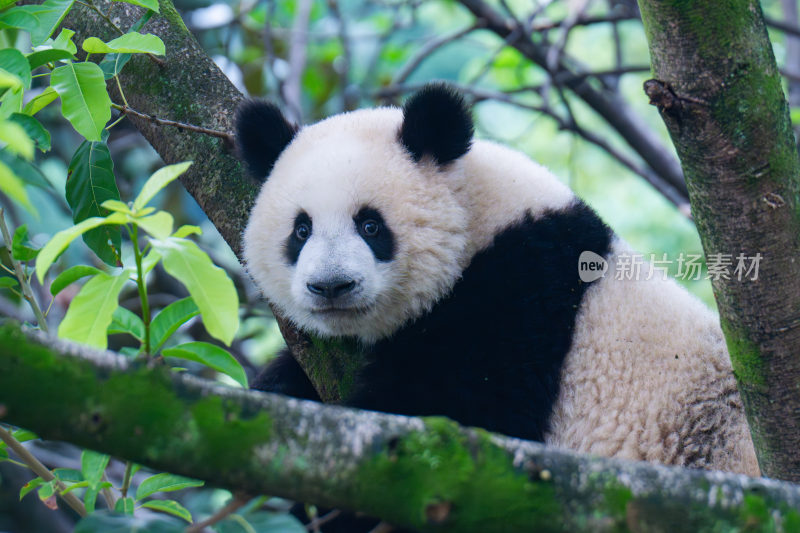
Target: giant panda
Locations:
point(455, 264)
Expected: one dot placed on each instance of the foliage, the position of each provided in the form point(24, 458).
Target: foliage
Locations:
point(130, 239)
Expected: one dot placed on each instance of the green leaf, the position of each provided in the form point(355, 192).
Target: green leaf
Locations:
point(150, 261)
point(209, 286)
point(15, 139)
point(261, 521)
point(3, 454)
point(6, 282)
point(160, 179)
point(49, 15)
point(116, 205)
point(164, 482)
point(23, 435)
point(113, 63)
point(125, 321)
point(50, 55)
point(125, 506)
point(186, 230)
point(11, 102)
point(130, 43)
point(90, 499)
point(210, 355)
point(29, 486)
point(24, 170)
point(63, 238)
point(8, 79)
point(84, 98)
point(14, 62)
point(148, 4)
point(105, 521)
point(19, 249)
point(91, 311)
point(34, 129)
point(68, 475)
point(170, 507)
point(169, 319)
point(93, 465)
point(75, 486)
point(71, 275)
point(46, 490)
point(64, 42)
point(13, 187)
point(158, 225)
point(40, 102)
point(18, 18)
point(90, 182)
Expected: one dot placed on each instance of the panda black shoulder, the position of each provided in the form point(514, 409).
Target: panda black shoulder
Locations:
point(490, 354)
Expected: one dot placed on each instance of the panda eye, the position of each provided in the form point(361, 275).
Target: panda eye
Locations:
point(370, 228)
point(302, 231)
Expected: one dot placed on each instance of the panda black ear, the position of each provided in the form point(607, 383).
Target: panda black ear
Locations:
point(262, 133)
point(437, 122)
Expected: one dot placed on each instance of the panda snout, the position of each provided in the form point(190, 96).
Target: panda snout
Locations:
point(332, 288)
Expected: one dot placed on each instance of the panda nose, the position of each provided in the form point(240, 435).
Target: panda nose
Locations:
point(333, 288)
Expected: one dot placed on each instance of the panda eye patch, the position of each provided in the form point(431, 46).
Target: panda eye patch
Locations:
point(297, 238)
point(370, 228)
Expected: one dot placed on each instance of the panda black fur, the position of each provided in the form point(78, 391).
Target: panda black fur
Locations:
point(455, 262)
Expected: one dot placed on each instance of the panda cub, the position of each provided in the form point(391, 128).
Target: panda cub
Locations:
point(454, 262)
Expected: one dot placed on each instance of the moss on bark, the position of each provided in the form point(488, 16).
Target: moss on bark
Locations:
point(719, 92)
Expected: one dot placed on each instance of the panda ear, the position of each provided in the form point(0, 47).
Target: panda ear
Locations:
point(437, 122)
point(262, 133)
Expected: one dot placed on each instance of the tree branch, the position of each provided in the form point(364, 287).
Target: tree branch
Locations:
point(443, 477)
point(607, 104)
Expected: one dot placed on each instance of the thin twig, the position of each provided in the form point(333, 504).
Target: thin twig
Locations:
point(320, 521)
point(429, 48)
point(42, 471)
point(180, 125)
point(235, 503)
point(111, 502)
point(555, 51)
point(584, 21)
point(24, 281)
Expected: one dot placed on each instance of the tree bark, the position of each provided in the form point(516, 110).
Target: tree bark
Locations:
point(719, 92)
point(426, 473)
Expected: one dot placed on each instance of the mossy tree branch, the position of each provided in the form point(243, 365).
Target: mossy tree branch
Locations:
point(427, 473)
point(719, 92)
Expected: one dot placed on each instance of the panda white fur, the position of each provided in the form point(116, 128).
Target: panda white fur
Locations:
point(455, 262)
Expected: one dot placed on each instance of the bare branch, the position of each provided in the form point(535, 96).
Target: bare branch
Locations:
point(428, 49)
point(607, 104)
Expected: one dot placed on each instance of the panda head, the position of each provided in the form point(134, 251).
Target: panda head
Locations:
point(359, 226)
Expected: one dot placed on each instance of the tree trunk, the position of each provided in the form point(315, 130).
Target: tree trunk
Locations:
point(719, 92)
point(426, 473)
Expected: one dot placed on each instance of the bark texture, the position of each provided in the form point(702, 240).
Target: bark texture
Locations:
point(188, 87)
point(427, 473)
point(719, 92)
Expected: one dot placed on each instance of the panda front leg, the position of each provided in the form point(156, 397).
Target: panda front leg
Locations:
point(285, 376)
